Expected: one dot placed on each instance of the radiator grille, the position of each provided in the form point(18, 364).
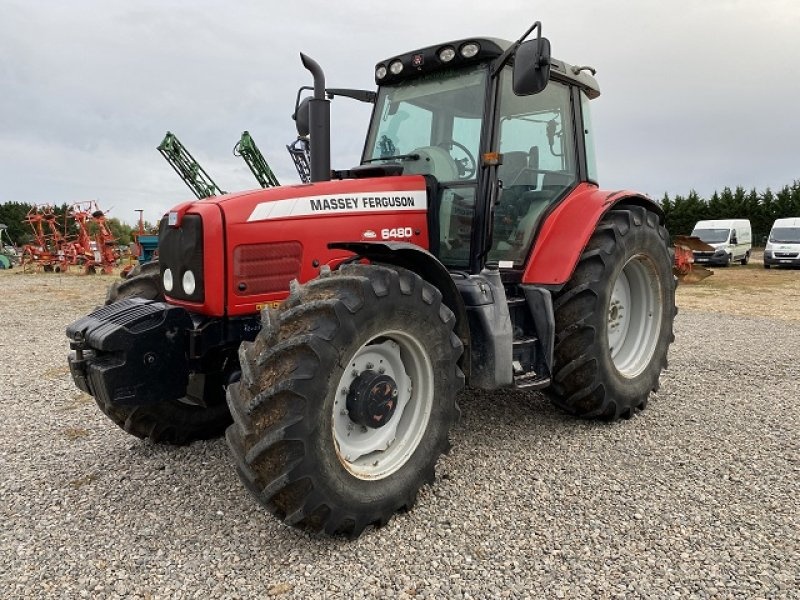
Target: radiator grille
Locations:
point(265, 268)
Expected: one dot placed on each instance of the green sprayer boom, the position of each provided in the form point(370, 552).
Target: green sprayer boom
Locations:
point(188, 168)
point(247, 149)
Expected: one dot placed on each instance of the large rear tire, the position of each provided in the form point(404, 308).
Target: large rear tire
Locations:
point(614, 318)
point(179, 421)
point(346, 399)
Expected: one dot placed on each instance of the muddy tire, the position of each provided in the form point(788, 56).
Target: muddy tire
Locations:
point(144, 281)
point(746, 258)
point(614, 318)
point(346, 399)
point(176, 422)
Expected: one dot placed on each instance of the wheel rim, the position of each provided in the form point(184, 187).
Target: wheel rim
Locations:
point(375, 453)
point(634, 316)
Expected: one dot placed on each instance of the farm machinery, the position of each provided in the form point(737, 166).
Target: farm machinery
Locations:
point(685, 268)
point(197, 178)
point(55, 249)
point(327, 328)
point(9, 256)
point(144, 248)
point(43, 253)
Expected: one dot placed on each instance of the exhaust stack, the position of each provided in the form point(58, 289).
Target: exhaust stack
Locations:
point(319, 123)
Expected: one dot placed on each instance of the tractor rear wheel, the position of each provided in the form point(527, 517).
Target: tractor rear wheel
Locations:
point(614, 318)
point(179, 421)
point(346, 399)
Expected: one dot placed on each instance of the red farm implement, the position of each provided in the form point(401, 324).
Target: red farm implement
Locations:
point(54, 249)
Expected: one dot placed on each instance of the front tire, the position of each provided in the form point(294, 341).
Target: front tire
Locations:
point(346, 399)
point(143, 281)
point(614, 318)
point(746, 258)
point(176, 422)
point(180, 421)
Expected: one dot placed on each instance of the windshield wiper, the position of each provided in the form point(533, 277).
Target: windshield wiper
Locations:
point(395, 157)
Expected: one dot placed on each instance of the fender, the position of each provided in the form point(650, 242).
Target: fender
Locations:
point(427, 266)
point(567, 229)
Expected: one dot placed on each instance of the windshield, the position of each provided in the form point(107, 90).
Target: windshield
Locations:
point(431, 125)
point(712, 236)
point(789, 235)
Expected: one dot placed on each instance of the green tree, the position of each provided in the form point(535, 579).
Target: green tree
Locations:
point(12, 214)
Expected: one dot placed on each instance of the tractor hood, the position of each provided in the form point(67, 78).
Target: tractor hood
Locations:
point(257, 242)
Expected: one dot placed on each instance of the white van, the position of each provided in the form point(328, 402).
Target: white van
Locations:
point(732, 240)
point(783, 244)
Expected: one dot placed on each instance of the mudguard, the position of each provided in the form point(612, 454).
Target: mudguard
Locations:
point(567, 229)
point(427, 266)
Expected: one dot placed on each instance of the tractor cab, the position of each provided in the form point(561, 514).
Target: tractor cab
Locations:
point(501, 156)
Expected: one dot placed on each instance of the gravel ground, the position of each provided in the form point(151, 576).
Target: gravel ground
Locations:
point(694, 498)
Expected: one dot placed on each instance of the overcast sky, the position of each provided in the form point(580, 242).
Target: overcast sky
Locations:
point(696, 94)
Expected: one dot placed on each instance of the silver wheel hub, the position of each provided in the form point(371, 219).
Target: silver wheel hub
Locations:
point(634, 316)
point(382, 406)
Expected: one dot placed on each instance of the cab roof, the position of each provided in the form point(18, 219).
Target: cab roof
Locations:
point(428, 59)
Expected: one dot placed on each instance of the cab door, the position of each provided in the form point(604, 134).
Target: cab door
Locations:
point(536, 137)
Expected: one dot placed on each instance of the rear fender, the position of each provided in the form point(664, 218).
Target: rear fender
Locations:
point(567, 230)
point(424, 264)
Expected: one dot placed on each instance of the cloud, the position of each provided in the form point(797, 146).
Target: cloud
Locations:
point(694, 95)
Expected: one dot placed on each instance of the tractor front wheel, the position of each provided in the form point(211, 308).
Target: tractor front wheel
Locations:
point(614, 318)
point(143, 281)
point(179, 421)
point(346, 399)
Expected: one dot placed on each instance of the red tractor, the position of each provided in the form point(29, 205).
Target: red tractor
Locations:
point(330, 326)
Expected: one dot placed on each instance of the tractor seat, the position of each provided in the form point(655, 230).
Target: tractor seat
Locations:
point(513, 245)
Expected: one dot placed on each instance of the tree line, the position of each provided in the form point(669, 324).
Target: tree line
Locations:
point(682, 212)
point(760, 208)
point(12, 214)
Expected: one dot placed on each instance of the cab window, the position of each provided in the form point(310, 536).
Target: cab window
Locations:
point(431, 125)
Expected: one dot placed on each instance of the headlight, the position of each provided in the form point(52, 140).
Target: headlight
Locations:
point(447, 54)
point(396, 67)
point(469, 50)
point(380, 72)
point(188, 283)
point(168, 282)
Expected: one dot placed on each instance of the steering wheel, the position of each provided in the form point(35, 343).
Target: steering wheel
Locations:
point(466, 166)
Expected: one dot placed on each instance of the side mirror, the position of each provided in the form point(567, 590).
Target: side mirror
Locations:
point(302, 117)
point(532, 67)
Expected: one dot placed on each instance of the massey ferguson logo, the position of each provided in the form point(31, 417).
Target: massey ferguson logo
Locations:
point(369, 235)
point(341, 204)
